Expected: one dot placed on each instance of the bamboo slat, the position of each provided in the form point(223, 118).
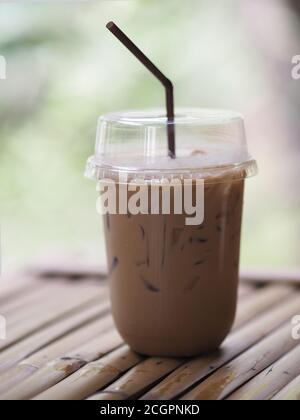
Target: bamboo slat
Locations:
point(198, 368)
point(265, 275)
point(230, 377)
point(269, 382)
point(36, 341)
point(138, 379)
point(245, 290)
point(62, 343)
point(15, 286)
point(22, 303)
point(41, 317)
point(60, 368)
point(72, 267)
point(290, 393)
point(260, 301)
point(60, 297)
point(68, 343)
point(59, 348)
point(92, 377)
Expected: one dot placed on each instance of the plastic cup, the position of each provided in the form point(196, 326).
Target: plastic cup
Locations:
point(173, 285)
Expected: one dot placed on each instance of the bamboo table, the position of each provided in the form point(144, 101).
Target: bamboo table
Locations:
point(61, 344)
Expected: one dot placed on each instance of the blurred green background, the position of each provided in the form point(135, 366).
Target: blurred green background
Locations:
point(64, 69)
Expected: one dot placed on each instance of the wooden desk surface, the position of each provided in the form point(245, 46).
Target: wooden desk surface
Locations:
point(61, 344)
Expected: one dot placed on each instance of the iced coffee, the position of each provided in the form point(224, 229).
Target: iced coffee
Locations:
point(174, 286)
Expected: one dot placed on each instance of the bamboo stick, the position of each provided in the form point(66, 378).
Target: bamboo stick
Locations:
point(61, 347)
point(231, 376)
point(260, 301)
point(92, 377)
point(245, 290)
point(198, 368)
point(57, 294)
point(69, 268)
point(269, 382)
point(290, 393)
point(41, 317)
point(271, 275)
point(13, 283)
point(138, 379)
point(21, 302)
point(250, 308)
point(12, 287)
point(61, 367)
point(59, 297)
point(77, 339)
point(50, 333)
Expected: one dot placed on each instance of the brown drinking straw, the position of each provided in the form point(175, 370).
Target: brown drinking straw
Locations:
point(158, 74)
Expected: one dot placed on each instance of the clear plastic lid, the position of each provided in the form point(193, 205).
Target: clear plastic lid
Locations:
point(208, 142)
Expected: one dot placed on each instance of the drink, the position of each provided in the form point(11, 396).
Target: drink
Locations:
point(174, 286)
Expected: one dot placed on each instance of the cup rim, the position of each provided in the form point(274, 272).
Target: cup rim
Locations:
point(183, 116)
point(236, 171)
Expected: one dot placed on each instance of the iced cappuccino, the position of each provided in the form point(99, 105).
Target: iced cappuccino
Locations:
point(174, 285)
